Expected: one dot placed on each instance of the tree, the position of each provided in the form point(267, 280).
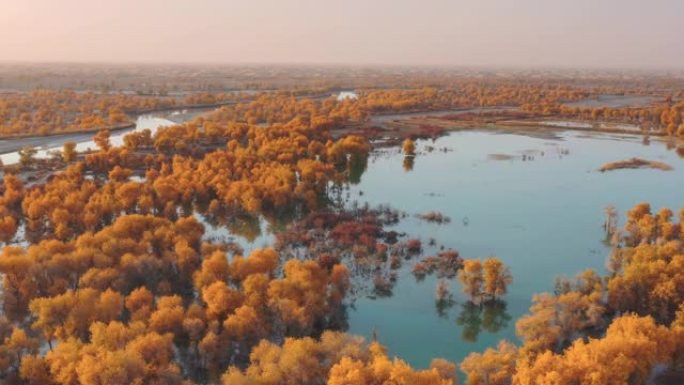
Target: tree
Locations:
point(221, 300)
point(18, 345)
point(35, 370)
point(101, 140)
point(69, 152)
point(493, 367)
point(26, 155)
point(409, 147)
point(471, 278)
point(496, 276)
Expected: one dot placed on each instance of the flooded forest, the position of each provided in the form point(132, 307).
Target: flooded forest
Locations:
point(276, 225)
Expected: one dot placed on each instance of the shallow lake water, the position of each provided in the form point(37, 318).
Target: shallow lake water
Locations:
point(540, 209)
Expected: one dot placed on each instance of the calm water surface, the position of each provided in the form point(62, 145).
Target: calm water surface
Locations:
point(543, 217)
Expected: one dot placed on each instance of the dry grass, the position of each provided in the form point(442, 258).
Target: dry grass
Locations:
point(635, 163)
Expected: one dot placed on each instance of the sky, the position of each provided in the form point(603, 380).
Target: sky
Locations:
point(513, 33)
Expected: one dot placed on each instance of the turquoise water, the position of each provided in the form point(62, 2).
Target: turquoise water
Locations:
point(542, 217)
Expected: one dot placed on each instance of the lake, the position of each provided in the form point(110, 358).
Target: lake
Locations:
point(537, 202)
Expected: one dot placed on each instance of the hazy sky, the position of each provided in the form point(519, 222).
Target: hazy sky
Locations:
point(605, 33)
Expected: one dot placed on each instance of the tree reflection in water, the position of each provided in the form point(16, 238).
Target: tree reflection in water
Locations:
point(408, 163)
point(490, 316)
point(442, 306)
point(355, 169)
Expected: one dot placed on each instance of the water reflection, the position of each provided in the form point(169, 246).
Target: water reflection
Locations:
point(490, 316)
point(442, 306)
point(355, 169)
point(408, 163)
point(470, 320)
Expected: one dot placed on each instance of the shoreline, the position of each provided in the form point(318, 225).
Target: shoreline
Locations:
point(412, 124)
point(9, 144)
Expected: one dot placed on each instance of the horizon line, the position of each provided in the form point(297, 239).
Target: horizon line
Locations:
point(375, 65)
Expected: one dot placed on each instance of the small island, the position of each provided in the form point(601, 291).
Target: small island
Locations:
point(634, 163)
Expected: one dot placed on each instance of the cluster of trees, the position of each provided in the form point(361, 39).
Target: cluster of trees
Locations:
point(667, 117)
point(43, 112)
point(282, 107)
point(260, 169)
point(118, 302)
point(357, 237)
point(481, 281)
point(468, 93)
point(486, 280)
point(335, 359)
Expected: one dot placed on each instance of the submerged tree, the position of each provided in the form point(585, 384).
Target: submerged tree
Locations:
point(26, 155)
point(471, 278)
point(488, 280)
point(409, 147)
point(69, 152)
point(497, 277)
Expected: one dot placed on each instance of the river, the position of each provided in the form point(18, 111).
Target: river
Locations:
point(47, 144)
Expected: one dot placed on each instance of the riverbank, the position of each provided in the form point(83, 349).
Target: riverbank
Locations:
point(10, 143)
point(14, 143)
point(428, 124)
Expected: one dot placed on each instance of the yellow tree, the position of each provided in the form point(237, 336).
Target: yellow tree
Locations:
point(409, 147)
point(101, 139)
point(69, 152)
point(496, 276)
point(26, 155)
point(471, 278)
point(493, 367)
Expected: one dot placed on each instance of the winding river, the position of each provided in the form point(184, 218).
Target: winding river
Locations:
point(47, 144)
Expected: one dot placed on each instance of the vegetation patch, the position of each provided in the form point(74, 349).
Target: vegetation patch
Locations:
point(434, 217)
